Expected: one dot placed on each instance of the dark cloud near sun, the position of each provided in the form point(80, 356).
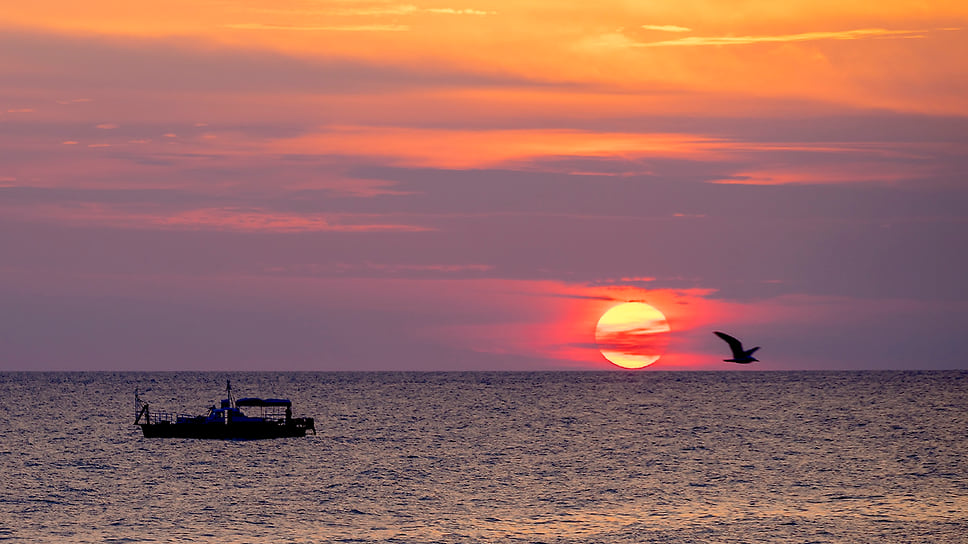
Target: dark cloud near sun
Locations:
point(173, 64)
point(123, 133)
point(673, 187)
point(832, 124)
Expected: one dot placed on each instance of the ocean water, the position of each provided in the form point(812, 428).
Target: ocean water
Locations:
point(495, 457)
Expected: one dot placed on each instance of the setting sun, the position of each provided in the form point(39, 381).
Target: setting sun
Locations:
point(632, 335)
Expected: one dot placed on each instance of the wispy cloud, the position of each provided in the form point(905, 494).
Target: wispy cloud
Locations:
point(389, 269)
point(398, 9)
point(374, 11)
point(857, 34)
point(365, 11)
point(254, 220)
point(445, 148)
point(452, 11)
point(321, 28)
point(667, 28)
point(445, 268)
point(225, 218)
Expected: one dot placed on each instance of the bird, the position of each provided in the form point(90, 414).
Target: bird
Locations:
point(740, 355)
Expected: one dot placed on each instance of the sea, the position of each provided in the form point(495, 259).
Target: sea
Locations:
point(503, 457)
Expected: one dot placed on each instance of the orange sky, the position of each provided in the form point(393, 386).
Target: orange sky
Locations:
point(860, 53)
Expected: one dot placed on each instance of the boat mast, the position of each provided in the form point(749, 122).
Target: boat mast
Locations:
point(140, 409)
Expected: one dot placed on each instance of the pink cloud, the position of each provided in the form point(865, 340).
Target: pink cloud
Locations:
point(214, 219)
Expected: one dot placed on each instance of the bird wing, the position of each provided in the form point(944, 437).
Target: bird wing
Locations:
point(734, 345)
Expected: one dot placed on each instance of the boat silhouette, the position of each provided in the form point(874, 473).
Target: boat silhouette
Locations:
point(226, 422)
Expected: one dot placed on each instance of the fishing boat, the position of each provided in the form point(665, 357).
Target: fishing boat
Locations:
point(227, 421)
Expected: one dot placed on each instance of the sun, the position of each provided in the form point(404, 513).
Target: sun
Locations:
point(632, 334)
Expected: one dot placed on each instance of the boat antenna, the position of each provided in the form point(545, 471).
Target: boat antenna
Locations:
point(228, 392)
point(140, 409)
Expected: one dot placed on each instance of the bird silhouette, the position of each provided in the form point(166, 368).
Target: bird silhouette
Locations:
point(740, 355)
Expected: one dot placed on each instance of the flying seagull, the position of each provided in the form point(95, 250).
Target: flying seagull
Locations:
point(740, 355)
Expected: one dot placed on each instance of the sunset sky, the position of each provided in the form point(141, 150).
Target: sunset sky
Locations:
point(470, 185)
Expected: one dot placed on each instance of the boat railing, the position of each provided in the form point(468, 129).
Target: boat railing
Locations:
point(149, 416)
point(158, 417)
point(270, 415)
point(161, 417)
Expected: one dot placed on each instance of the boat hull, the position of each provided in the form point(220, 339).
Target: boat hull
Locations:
point(221, 431)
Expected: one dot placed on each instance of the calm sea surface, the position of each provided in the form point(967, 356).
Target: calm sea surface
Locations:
point(495, 457)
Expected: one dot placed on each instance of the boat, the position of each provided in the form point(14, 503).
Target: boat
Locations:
point(227, 421)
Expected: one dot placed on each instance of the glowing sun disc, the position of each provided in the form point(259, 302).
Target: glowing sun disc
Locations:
point(631, 335)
